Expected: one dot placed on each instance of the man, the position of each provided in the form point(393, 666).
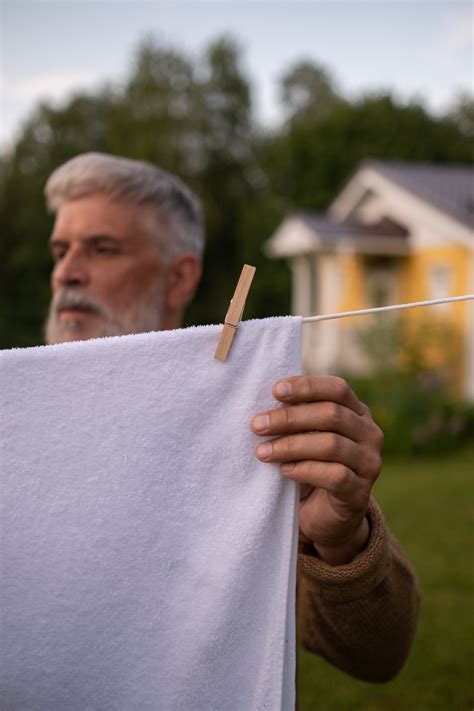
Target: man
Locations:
point(127, 245)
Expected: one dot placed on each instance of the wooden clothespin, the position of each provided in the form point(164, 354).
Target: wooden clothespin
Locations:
point(234, 312)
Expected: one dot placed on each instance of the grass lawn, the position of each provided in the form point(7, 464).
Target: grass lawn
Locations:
point(429, 505)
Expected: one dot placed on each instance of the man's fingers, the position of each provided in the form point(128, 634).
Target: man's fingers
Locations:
point(325, 416)
point(323, 447)
point(336, 478)
point(314, 388)
point(325, 475)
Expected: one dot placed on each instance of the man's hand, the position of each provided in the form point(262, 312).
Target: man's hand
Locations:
point(326, 440)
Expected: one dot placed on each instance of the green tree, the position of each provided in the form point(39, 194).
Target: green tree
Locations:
point(462, 114)
point(152, 118)
point(232, 186)
point(308, 161)
point(193, 115)
point(308, 91)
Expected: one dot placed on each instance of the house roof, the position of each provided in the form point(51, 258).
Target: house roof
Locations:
point(328, 228)
point(305, 232)
point(448, 187)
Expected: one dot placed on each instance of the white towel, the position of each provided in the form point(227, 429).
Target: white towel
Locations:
point(147, 558)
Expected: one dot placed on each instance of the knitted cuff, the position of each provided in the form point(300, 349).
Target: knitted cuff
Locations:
point(357, 578)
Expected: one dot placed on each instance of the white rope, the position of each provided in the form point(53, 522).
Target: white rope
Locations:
point(380, 309)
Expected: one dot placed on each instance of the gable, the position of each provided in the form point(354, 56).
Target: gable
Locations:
point(371, 196)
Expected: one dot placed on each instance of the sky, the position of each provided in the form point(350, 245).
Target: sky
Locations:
point(416, 50)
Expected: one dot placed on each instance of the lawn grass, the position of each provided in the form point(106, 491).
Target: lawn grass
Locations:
point(429, 505)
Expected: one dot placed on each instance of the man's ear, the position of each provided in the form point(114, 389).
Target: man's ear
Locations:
point(182, 278)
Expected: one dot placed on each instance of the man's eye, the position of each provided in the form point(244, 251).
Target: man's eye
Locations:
point(105, 249)
point(58, 255)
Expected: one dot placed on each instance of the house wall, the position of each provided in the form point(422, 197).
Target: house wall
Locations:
point(341, 285)
point(306, 277)
point(417, 286)
point(321, 294)
point(353, 296)
point(352, 278)
point(451, 348)
point(332, 346)
point(359, 274)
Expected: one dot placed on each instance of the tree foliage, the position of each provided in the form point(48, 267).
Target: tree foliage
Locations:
point(194, 116)
point(462, 113)
point(308, 92)
point(310, 160)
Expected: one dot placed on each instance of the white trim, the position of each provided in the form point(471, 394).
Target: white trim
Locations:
point(292, 238)
point(347, 200)
point(402, 205)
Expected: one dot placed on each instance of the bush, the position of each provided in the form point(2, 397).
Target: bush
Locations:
point(416, 415)
point(410, 391)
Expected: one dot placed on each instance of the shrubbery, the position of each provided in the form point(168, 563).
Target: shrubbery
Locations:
point(412, 390)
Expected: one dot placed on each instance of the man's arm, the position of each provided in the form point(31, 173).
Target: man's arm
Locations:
point(357, 593)
point(362, 616)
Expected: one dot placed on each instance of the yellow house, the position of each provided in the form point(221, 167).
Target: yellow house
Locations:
point(397, 232)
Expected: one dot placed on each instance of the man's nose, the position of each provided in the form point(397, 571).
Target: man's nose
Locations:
point(71, 271)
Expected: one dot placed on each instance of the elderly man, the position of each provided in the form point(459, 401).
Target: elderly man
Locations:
point(127, 245)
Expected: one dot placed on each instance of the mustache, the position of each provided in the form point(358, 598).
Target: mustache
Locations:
point(70, 298)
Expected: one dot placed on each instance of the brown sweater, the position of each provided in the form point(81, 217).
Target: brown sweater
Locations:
point(361, 617)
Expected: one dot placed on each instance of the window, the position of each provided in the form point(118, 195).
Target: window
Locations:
point(381, 281)
point(440, 281)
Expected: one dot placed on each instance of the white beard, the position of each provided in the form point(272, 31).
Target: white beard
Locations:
point(140, 316)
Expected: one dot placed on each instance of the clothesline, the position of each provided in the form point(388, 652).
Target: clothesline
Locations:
point(393, 307)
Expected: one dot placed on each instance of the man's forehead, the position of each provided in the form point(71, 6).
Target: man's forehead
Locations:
point(100, 215)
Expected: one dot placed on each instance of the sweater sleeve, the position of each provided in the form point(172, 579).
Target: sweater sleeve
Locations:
point(361, 617)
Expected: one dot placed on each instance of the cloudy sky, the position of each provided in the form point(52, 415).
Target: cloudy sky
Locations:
point(416, 49)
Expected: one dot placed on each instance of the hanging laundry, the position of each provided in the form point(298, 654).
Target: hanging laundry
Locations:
point(147, 557)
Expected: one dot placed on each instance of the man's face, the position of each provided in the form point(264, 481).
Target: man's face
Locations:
point(108, 278)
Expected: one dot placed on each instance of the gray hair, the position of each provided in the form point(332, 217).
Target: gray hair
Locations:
point(140, 183)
